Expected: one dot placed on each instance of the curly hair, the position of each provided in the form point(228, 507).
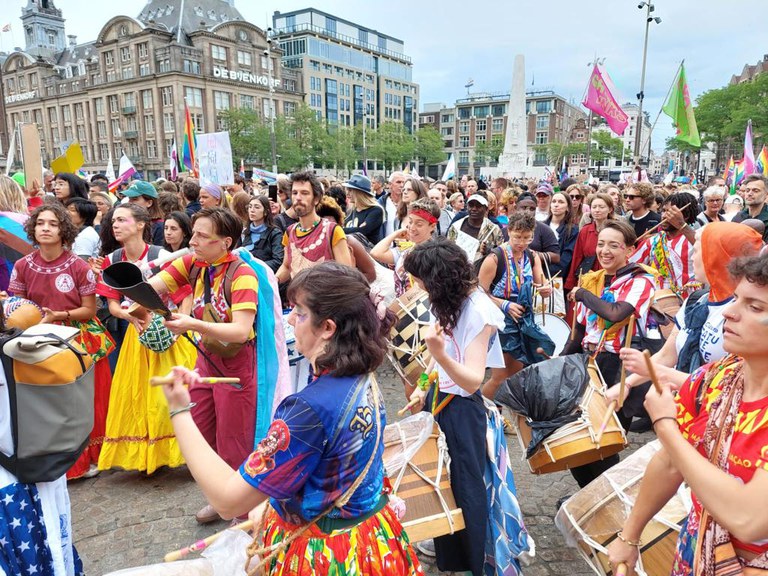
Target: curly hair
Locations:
point(521, 222)
point(687, 204)
point(328, 207)
point(752, 268)
point(447, 276)
point(332, 291)
point(67, 229)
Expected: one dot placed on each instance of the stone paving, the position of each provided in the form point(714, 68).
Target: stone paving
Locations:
point(127, 519)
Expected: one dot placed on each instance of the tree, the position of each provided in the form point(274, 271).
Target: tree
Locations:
point(722, 114)
point(608, 147)
point(556, 151)
point(248, 135)
point(486, 152)
point(428, 146)
point(675, 145)
point(390, 144)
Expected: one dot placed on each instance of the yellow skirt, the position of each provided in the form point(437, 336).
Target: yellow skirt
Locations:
point(139, 433)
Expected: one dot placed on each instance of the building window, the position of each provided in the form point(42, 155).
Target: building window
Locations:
point(542, 122)
point(463, 141)
point(191, 66)
point(497, 124)
point(244, 58)
point(131, 124)
point(151, 149)
point(330, 25)
point(127, 73)
point(543, 107)
point(194, 97)
point(81, 134)
point(149, 123)
point(445, 118)
point(541, 137)
point(144, 69)
point(221, 100)
point(465, 113)
point(116, 131)
point(167, 96)
point(479, 139)
point(463, 157)
point(267, 64)
point(289, 108)
point(143, 50)
point(168, 125)
point(446, 131)
point(125, 54)
point(146, 99)
point(129, 100)
point(498, 109)
point(164, 65)
point(103, 151)
point(109, 58)
point(79, 111)
point(218, 52)
point(463, 127)
point(101, 129)
point(197, 120)
point(98, 105)
point(481, 111)
point(247, 101)
point(66, 113)
point(480, 125)
point(540, 159)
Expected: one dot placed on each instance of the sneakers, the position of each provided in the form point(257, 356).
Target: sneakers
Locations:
point(426, 547)
point(206, 515)
point(93, 471)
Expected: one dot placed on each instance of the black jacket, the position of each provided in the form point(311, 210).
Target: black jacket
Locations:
point(269, 247)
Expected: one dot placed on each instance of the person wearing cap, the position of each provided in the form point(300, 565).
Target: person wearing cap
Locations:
point(144, 194)
point(732, 206)
point(543, 197)
point(476, 225)
point(367, 215)
point(212, 196)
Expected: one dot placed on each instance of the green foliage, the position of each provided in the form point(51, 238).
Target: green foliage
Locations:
point(390, 144)
point(673, 144)
point(722, 113)
point(486, 152)
point(556, 151)
point(428, 146)
point(607, 147)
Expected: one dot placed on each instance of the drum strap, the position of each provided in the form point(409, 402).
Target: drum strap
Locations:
point(438, 407)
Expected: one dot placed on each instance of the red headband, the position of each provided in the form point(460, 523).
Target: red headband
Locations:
point(421, 213)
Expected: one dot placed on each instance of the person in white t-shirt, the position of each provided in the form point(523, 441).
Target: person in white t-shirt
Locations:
point(463, 342)
point(83, 213)
point(691, 346)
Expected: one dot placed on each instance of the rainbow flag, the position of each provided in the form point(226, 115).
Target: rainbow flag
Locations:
point(748, 162)
point(762, 162)
point(189, 147)
point(739, 173)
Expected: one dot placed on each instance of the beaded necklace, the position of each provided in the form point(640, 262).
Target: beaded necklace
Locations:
point(307, 230)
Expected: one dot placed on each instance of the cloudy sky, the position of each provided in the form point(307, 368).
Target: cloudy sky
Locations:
point(453, 40)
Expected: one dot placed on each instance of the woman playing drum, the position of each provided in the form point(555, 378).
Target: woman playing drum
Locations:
point(699, 339)
point(463, 342)
point(423, 215)
point(321, 462)
point(606, 301)
point(715, 438)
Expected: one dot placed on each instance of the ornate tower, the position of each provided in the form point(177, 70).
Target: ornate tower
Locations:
point(43, 28)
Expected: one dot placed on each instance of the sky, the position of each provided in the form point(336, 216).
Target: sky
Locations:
point(453, 40)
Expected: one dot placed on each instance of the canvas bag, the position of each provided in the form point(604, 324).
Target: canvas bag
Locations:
point(50, 394)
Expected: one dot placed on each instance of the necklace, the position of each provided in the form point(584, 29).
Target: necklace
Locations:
point(306, 230)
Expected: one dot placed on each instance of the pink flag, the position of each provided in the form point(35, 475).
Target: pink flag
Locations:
point(749, 152)
point(600, 100)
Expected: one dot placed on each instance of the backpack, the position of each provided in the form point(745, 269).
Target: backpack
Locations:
point(50, 391)
point(501, 264)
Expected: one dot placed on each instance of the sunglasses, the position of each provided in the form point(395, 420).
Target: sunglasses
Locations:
point(542, 195)
point(630, 196)
point(575, 196)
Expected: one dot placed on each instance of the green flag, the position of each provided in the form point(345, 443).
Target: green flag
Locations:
point(678, 107)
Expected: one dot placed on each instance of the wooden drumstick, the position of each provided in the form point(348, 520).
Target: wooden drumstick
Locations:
point(423, 347)
point(604, 423)
point(573, 318)
point(541, 351)
point(650, 231)
point(161, 380)
point(627, 344)
point(652, 372)
point(203, 544)
point(408, 406)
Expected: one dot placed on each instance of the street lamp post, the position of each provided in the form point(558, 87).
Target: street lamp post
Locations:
point(641, 95)
point(272, 137)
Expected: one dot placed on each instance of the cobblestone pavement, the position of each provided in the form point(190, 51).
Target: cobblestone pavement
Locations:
point(126, 519)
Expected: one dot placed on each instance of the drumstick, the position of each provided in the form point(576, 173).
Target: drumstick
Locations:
point(203, 544)
point(541, 351)
point(652, 230)
point(423, 347)
point(408, 406)
point(606, 419)
point(573, 318)
point(627, 344)
point(160, 380)
point(652, 372)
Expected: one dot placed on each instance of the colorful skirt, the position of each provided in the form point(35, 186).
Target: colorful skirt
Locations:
point(377, 546)
point(139, 434)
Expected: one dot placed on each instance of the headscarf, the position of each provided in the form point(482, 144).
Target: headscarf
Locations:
point(213, 189)
point(721, 242)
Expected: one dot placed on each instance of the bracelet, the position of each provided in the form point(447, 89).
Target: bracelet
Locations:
point(423, 382)
point(186, 408)
point(653, 424)
point(636, 543)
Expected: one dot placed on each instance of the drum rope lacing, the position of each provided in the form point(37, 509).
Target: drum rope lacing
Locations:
point(443, 460)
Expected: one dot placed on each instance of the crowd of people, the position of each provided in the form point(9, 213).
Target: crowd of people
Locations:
point(488, 255)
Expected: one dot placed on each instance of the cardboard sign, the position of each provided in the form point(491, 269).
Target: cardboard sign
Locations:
point(214, 157)
point(30, 153)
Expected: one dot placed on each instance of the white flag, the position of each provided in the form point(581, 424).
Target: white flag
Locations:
point(11, 152)
point(110, 171)
point(450, 169)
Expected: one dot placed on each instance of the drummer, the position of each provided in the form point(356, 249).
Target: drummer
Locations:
point(606, 300)
point(670, 250)
point(699, 339)
point(419, 226)
point(463, 342)
point(714, 438)
point(321, 464)
point(502, 275)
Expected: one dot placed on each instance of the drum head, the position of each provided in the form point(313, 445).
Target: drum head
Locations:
point(554, 327)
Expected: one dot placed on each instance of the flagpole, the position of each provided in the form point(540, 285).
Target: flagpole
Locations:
point(653, 126)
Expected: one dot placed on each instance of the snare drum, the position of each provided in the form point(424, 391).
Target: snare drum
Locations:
point(414, 448)
point(554, 327)
point(667, 304)
point(575, 444)
point(592, 517)
point(407, 350)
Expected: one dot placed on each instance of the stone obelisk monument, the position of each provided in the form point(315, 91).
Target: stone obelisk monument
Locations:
point(512, 162)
